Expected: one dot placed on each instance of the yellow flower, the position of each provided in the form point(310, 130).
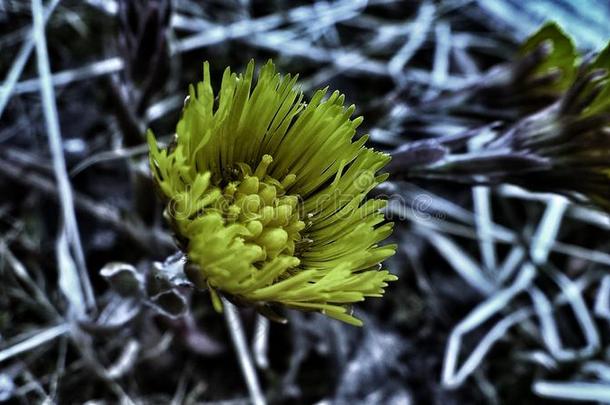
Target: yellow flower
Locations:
point(269, 195)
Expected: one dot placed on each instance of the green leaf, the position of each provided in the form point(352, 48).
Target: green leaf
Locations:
point(563, 55)
point(601, 103)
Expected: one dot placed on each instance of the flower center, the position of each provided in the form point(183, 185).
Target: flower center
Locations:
point(260, 203)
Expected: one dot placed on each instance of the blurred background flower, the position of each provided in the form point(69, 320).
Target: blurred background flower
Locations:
point(561, 146)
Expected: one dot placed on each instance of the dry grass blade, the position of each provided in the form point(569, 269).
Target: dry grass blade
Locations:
point(12, 77)
point(72, 236)
point(35, 340)
point(245, 360)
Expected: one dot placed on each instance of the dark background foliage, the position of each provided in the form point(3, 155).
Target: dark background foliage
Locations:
point(142, 337)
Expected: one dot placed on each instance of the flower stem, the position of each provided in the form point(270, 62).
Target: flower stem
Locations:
point(239, 342)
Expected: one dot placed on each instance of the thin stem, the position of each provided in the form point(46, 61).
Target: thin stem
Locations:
point(70, 229)
point(245, 360)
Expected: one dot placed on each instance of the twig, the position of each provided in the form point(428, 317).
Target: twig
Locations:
point(573, 391)
point(543, 240)
point(149, 239)
point(101, 68)
point(418, 34)
point(34, 341)
point(260, 342)
point(59, 165)
point(239, 341)
point(245, 28)
point(24, 53)
point(286, 43)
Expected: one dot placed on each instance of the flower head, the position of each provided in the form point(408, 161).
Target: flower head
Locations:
point(268, 194)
